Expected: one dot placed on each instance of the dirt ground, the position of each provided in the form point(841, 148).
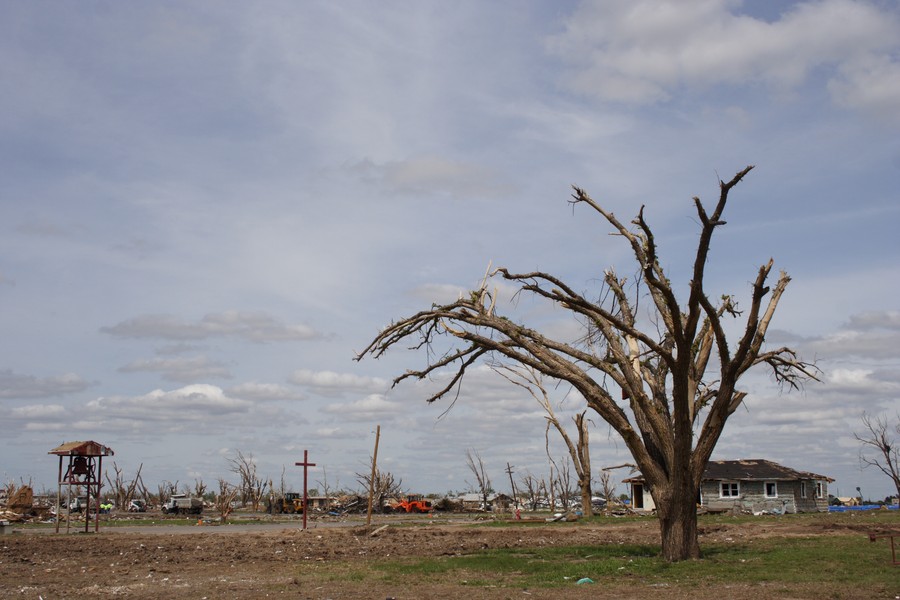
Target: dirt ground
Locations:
point(282, 560)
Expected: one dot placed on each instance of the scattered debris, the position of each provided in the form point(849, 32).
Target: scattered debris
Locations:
point(21, 499)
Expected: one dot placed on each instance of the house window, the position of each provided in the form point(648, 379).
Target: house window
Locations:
point(820, 489)
point(803, 489)
point(771, 489)
point(729, 489)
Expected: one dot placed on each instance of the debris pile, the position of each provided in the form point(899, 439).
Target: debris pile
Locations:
point(19, 506)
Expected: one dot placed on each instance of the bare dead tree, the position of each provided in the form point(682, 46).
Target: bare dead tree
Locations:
point(323, 483)
point(483, 481)
point(579, 449)
point(386, 487)
point(564, 483)
point(548, 491)
point(225, 499)
point(166, 490)
point(117, 486)
point(880, 437)
point(199, 488)
point(549, 485)
point(141, 489)
point(532, 489)
point(667, 389)
point(607, 488)
point(124, 491)
point(252, 487)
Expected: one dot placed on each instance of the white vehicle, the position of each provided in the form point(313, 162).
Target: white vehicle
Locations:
point(183, 505)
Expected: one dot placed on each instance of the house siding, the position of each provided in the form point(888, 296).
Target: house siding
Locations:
point(786, 487)
point(753, 497)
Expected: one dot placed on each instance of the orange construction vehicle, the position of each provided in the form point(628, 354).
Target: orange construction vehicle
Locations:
point(413, 504)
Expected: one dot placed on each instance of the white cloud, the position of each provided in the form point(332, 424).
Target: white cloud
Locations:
point(848, 377)
point(184, 369)
point(880, 319)
point(37, 412)
point(331, 382)
point(646, 51)
point(197, 409)
point(265, 391)
point(432, 175)
point(193, 401)
point(870, 85)
point(873, 335)
point(13, 385)
point(327, 433)
point(368, 409)
point(438, 293)
point(250, 326)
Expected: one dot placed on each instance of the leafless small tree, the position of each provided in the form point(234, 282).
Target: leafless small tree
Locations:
point(199, 488)
point(386, 486)
point(483, 481)
point(550, 487)
point(166, 490)
point(880, 437)
point(564, 483)
point(607, 487)
point(282, 486)
point(327, 490)
point(532, 486)
point(225, 499)
point(579, 448)
point(144, 492)
point(124, 491)
point(252, 487)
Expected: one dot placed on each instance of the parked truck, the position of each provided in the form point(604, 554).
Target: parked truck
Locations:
point(183, 505)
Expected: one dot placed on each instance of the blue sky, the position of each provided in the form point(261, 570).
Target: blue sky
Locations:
point(208, 208)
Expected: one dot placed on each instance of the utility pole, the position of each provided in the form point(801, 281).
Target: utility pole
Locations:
point(372, 478)
point(512, 484)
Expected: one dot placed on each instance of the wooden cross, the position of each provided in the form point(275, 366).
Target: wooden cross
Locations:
point(305, 464)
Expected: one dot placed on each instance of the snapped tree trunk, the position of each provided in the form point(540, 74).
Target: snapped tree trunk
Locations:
point(587, 506)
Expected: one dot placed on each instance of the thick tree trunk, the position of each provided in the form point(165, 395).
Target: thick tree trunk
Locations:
point(586, 493)
point(678, 524)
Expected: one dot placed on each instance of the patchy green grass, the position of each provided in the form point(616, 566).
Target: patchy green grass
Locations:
point(846, 560)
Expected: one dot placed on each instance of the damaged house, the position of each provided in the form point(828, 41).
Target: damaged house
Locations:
point(750, 485)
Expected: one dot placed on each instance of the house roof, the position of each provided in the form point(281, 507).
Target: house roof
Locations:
point(752, 469)
point(88, 448)
point(755, 469)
